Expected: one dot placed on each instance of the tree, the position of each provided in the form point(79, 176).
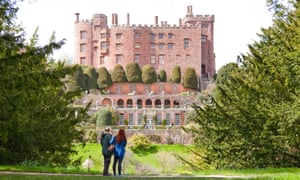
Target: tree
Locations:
point(224, 72)
point(103, 117)
point(38, 122)
point(162, 76)
point(254, 120)
point(133, 72)
point(118, 74)
point(176, 74)
point(148, 74)
point(190, 78)
point(104, 79)
point(91, 78)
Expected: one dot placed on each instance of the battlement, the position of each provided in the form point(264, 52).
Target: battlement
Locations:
point(152, 26)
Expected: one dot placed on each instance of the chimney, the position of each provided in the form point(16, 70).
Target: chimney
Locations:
point(116, 19)
point(180, 21)
point(189, 11)
point(113, 19)
point(128, 19)
point(77, 17)
point(156, 20)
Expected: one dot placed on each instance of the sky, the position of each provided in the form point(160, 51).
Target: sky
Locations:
point(236, 25)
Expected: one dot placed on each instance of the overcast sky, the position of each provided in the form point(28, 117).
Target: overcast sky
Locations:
point(237, 22)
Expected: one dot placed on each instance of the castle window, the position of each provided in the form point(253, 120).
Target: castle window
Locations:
point(118, 58)
point(187, 57)
point(152, 46)
point(152, 36)
point(130, 117)
point(186, 43)
point(153, 59)
point(104, 46)
point(101, 60)
point(168, 118)
point(122, 119)
point(103, 35)
point(83, 60)
point(161, 35)
point(203, 38)
point(82, 47)
point(119, 46)
point(97, 28)
point(170, 35)
point(161, 59)
point(137, 45)
point(118, 35)
point(170, 46)
point(137, 35)
point(177, 119)
point(177, 58)
point(137, 58)
point(95, 48)
point(83, 34)
point(161, 46)
point(140, 119)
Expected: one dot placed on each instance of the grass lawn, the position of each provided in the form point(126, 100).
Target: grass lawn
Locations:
point(159, 162)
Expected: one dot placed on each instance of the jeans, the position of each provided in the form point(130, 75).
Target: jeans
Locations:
point(119, 161)
point(106, 165)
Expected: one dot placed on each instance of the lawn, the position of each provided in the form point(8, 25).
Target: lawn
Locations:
point(160, 162)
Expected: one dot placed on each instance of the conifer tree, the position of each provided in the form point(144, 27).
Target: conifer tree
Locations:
point(254, 120)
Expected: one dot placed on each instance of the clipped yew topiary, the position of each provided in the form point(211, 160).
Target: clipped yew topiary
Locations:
point(176, 74)
point(162, 76)
point(190, 78)
point(133, 72)
point(148, 74)
point(118, 74)
point(104, 79)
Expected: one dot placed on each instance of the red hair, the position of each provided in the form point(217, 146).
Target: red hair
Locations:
point(121, 136)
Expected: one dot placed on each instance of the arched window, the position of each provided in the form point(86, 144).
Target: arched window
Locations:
point(120, 103)
point(148, 103)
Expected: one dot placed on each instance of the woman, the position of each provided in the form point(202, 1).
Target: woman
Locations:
point(120, 142)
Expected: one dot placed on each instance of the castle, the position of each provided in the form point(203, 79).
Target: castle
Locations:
point(188, 44)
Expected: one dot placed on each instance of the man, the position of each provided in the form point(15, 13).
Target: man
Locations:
point(105, 142)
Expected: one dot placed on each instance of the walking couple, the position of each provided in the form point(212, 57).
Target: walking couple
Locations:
point(113, 145)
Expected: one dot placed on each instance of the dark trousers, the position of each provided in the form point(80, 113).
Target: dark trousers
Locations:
point(119, 161)
point(106, 165)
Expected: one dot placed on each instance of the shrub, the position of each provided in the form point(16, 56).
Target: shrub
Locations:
point(154, 138)
point(139, 142)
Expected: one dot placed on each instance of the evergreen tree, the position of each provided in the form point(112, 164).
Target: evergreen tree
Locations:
point(104, 79)
point(118, 74)
point(37, 120)
point(254, 120)
point(190, 78)
point(162, 76)
point(133, 72)
point(148, 74)
point(176, 74)
point(91, 78)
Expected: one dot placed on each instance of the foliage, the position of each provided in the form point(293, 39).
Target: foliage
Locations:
point(133, 72)
point(224, 72)
point(118, 74)
point(104, 78)
point(162, 76)
point(148, 74)
point(154, 138)
point(176, 74)
point(103, 117)
point(91, 78)
point(37, 120)
point(139, 142)
point(254, 120)
point(190, 78)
